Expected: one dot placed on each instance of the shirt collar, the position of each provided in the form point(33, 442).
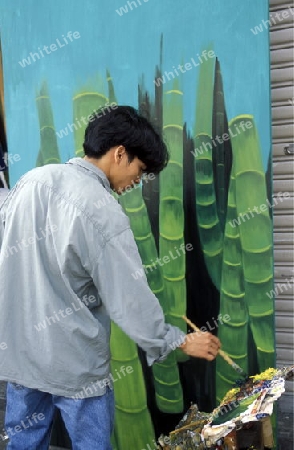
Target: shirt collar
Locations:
point(92, 168)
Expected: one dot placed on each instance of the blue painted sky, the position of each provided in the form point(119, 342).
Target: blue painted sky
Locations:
point(128, 46)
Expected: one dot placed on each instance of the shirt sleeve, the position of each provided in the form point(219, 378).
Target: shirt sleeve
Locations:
point(122, 285)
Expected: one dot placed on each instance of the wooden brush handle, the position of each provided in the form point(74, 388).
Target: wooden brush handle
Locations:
point(220, 352)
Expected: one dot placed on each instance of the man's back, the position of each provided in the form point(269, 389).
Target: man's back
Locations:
point(53, 230)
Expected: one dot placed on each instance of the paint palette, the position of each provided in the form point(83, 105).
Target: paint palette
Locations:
point(249, 402)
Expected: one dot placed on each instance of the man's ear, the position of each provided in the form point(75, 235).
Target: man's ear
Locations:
point(119, 152)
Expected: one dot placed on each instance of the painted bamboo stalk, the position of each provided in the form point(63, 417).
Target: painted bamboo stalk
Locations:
point(84, 104)
point(171, 213)
point(168, 389)
point(221, 147)
point(133, 425)
point(158, 93)
point(233, 329)
point(150, 190)
point(131, 411)
point(48, 153)
point(256, 235)
point(144, 104)
point(40, 160)
point(113, 441)
point(210, 231)
point(111, 92)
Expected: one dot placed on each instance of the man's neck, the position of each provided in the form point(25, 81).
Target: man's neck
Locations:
point(101, 163)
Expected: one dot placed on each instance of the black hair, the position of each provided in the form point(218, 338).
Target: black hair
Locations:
point(123, 125)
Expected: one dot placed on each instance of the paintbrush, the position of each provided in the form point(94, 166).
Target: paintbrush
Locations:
point(223, 354)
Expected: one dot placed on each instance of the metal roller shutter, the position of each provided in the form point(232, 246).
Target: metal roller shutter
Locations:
point(281, 39)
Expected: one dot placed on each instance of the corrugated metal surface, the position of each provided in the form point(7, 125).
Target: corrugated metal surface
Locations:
point(281, 38)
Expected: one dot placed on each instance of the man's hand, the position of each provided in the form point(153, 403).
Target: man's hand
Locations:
point(201, 345)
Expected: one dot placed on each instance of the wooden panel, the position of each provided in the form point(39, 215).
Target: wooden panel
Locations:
point(283, 339)
point(284, 206)
point(283, 185)
point(284, 167)
point(284, 132)
point(283, 354)
point(282, 202)
point(286, 305)
point(284, 321)
point(281, 239)
point(283, 113)
point(281, 38)
point(281, 95)
point(274, 4)
point(281, 274)
point(281, 17)
point(282, 76)
point(281, 57)
point(279, 156)
point(283, 222)
point(284, 256)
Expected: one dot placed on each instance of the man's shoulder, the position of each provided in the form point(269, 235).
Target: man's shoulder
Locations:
point(88, 198)
point(43, 174)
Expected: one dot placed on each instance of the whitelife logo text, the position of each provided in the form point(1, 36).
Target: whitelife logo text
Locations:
point(48, 49)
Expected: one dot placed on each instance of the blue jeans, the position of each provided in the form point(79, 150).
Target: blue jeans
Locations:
point(29, 416)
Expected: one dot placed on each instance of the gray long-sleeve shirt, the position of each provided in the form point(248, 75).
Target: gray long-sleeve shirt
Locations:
point(67, 265)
